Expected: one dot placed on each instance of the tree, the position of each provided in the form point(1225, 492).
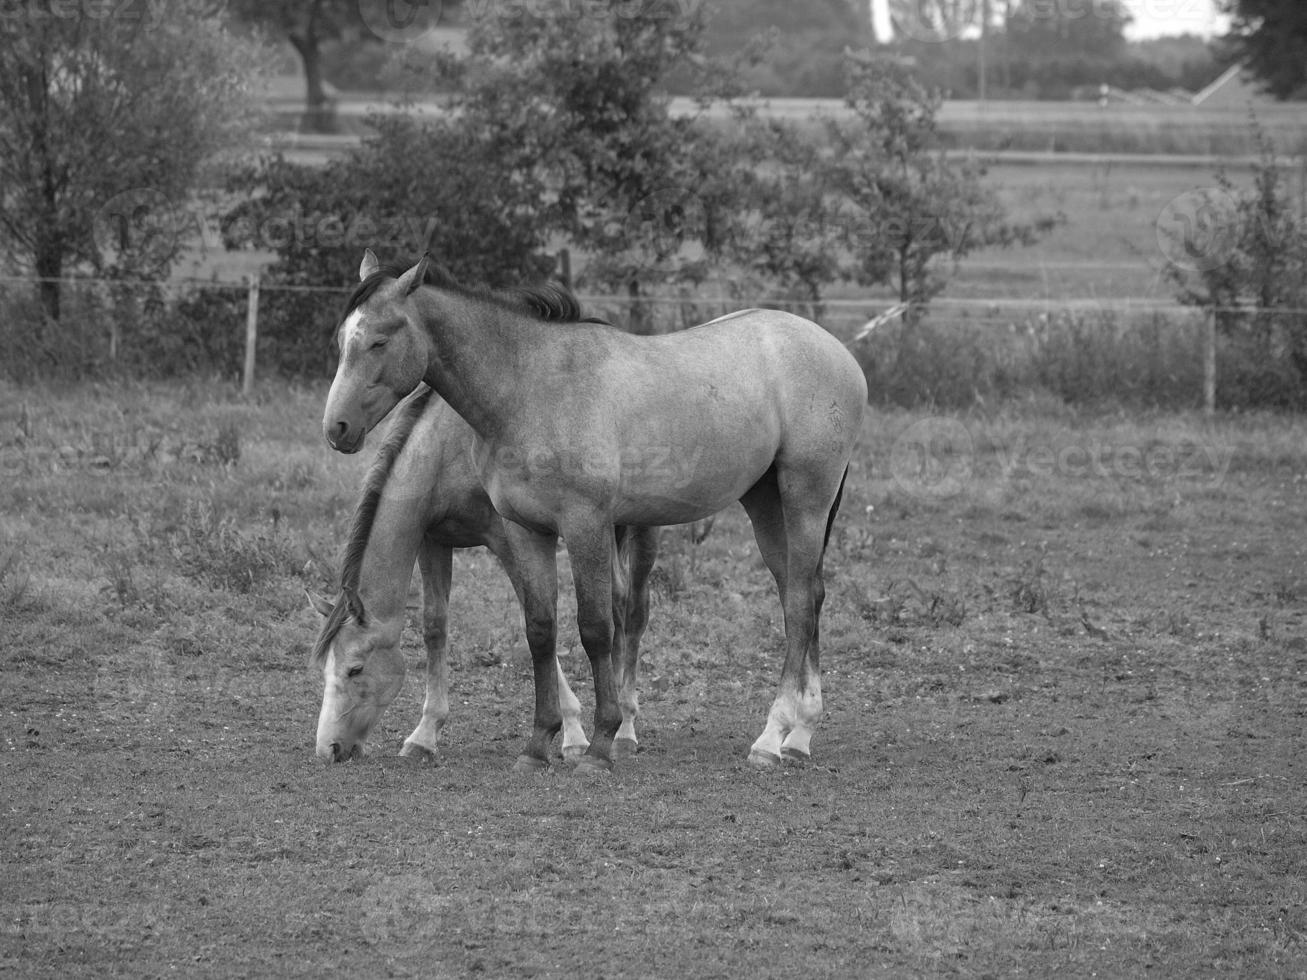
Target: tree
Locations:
point(411, 184)
point(906, 204)
point(1050, 29)
point(306, 26)
point(311, 25)
point(576, 95)
point(1269, 37)
point(1241, 254)
point(780, 212)
point(109, 116)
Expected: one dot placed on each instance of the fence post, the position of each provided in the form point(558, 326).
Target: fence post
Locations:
point(565, 266)
point(251, 333)
point(1209, 362)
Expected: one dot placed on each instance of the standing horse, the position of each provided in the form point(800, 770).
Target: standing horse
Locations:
point(421, 500)
point(579, 427)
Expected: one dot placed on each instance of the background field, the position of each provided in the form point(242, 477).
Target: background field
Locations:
point(1064, 664)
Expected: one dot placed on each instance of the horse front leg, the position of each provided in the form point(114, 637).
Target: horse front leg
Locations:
point(533, 568)
point(590, 547)
point(436, 564)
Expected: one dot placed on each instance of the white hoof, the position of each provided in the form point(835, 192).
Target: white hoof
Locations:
point(416, 752)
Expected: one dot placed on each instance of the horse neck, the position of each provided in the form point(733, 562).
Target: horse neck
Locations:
point(387, 562)
point(475, 352)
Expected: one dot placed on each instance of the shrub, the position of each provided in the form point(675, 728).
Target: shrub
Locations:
point(1242, 256)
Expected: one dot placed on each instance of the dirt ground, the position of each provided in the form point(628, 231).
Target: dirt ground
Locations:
point(1065, 668)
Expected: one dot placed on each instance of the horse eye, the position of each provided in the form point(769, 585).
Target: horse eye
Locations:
point(354, 671)
point(378, 344)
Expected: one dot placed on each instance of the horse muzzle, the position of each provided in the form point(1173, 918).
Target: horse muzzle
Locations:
point(344, 438)
point(337, 752)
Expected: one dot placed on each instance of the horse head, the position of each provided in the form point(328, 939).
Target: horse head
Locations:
point(362, 671)
point(382, 349)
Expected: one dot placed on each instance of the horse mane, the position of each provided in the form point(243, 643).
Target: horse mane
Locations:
point(365, 515)
point(550, 301)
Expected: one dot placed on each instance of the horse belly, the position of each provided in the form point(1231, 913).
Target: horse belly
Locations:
point(678, 483)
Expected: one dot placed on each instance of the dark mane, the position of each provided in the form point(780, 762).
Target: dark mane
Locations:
point(551, 301)
point(365, 515)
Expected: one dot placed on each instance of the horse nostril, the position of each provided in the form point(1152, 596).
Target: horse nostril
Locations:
point(336, 754)
point(339, 433)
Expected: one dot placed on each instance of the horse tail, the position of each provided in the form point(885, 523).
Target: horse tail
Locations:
point(834, 509)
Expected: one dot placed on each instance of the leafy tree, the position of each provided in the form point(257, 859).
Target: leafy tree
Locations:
point(781, 212)
point(1269, 38)
point(906, 204)
point(105, 115)
point(1242, 254)
point(307, 26)
point(411, 184)
point(575, 96)
point(1053, 29)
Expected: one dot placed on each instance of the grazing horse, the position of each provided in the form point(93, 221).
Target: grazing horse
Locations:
point(579, 427)
point(421, 500)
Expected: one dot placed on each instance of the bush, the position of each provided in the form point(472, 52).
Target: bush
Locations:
point(1241, 255)
point(1083, 358)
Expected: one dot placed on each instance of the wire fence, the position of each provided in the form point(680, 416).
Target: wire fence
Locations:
point(220, 336)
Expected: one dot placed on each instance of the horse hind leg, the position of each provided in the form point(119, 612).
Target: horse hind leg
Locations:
point(436, 563)
point(807, 509)
point(637, 550)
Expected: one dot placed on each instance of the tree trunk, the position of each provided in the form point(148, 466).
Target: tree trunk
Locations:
point(639, 312)
point(319, 111)
point(49, 269)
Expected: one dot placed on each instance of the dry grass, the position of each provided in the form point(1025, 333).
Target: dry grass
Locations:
point(1064, 662)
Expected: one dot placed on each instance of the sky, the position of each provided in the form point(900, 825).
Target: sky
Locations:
point(1152, 18)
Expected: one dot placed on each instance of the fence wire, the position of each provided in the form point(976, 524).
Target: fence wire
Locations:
point(952, 350)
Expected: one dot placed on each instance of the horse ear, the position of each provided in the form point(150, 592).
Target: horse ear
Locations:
point(355, 606)
point(415, 276)
point(369, 264)
point(320, 603)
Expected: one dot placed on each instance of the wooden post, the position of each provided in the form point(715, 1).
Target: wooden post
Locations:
point(565, 267)
point(1209, 362)
point(251, 334)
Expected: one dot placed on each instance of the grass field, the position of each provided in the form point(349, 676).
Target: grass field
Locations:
point(1064, 661)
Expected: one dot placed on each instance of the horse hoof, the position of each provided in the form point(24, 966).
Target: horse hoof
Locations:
point(763, 760)
point(417, 753)
point(572, 754)
point(624, 748)
point(593, 765)
point(791, 754)
point(529, 763)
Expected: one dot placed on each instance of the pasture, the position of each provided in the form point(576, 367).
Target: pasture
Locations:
point(1065, 665)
